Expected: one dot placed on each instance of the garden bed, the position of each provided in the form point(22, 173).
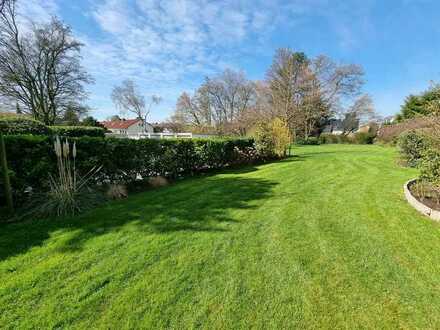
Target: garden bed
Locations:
point(426, 203)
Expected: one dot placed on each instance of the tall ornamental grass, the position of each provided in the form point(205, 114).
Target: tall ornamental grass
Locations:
point(69, 192)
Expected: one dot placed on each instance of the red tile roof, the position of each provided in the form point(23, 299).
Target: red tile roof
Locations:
point(120, 124)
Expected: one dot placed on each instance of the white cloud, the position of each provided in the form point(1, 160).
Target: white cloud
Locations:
point(162, 43)
point(37, 10)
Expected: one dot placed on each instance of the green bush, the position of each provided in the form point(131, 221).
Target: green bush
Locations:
point(16, 125)
point(20, 125)
point(310, 141)
point(363, 138)
point(31, 158)
point(429, 166)
point(357, 138)
point(327, 138)
point(272, 138)
point(412, 146)
point(77, 131)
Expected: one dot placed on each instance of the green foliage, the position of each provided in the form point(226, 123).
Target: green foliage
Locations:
point(281, 137)
point(430, 166)
point(324, 242)
point(363, 138)
point(357, 138)
point(264, 141)
point(69, 193)
point(311, 141)
point(91, 121)
point(20, 125)
point(15, 125)
point(418, 105)
point(272, 138)
point(31, 159)
point(77, 131)
point(328, 138)
point(412, 146)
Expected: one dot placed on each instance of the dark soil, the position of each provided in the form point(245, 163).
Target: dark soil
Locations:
point(429, 197)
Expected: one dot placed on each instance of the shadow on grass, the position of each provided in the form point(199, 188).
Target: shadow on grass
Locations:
point(199, 204)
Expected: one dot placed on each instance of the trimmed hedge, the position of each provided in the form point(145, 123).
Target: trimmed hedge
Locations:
point(363, 138)
point(31, 158)
point(311, 141)
point(16, 125)
point(21, 125)
point(357, 138)
point(77, 131)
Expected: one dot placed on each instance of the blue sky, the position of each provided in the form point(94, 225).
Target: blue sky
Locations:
point(170, 46)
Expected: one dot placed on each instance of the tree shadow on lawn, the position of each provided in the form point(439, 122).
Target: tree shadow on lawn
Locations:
point(197, 204)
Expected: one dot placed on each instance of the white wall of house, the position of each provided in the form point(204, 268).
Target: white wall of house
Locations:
point(138, 128)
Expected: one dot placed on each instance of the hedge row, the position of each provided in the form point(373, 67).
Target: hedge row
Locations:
point(11, 125)
point(326, 138)
point(357, 138)
point(77, 131)
point(18, 125)
point(31, 158)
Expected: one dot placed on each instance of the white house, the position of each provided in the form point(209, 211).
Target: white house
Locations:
point(128, 126)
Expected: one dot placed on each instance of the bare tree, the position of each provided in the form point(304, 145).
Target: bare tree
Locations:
point(360, 112)
point(220, 103)
point(287, 78)
point(40, 71)
point(306, 92)
point(4, 4)
point(228, 95)
point(127, 98)
point(337, 81)
point(193, 110)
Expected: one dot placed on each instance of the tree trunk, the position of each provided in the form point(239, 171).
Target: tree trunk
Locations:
point(6, 182)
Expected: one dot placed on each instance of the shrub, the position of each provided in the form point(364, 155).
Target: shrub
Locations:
point(281, 136)
point(16, 125)
point(77, 131)
point(412, 146)
point(272, 138)
point(429, 166)
point(31, 158)
point(311, 141)
point(363, 138)
point(69, 193)
point(264, 141)
point(327, 138)
point(390, 133)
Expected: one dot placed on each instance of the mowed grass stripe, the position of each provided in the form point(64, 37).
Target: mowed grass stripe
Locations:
point(321, 240)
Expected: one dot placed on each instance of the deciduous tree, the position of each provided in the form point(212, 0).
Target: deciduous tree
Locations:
point(40, 71)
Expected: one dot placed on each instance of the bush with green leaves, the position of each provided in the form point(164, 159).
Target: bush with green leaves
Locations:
point(328, 138)
point(22, 125)
point(15, 125)
point(272, 138)
point(31, 158)
point(310, 141)
point(363, 138)
point(413, 145)
point(77, 131)
point(429, 166)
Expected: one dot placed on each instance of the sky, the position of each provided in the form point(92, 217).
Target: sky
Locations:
point(168, 47)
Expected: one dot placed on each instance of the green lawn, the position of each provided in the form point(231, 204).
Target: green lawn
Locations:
point(322, 240)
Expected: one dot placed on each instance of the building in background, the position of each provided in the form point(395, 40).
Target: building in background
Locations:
point(128, 126)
